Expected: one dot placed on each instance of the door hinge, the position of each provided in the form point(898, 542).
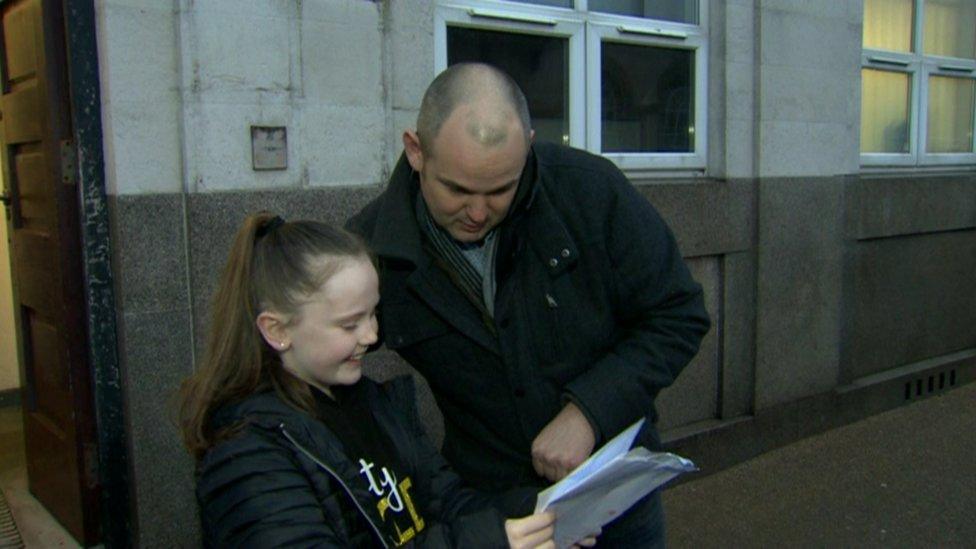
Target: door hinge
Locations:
point(90, 457)
point(69, 162)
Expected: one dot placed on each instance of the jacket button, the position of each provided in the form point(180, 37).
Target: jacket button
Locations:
point(553, 262)
point(520, 392)
point(504, 322)
point(565, 252)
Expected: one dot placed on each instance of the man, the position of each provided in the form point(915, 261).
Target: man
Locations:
point(540, 295)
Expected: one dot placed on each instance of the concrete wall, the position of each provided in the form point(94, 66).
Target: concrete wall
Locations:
point(808, 57)
point(830, 290)
point(183, 81)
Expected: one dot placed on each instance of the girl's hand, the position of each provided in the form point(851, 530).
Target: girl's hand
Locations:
point(533, 531)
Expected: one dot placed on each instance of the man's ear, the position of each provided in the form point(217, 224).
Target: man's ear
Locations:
point(531, 137)
point(274, 330)
point(411, 147)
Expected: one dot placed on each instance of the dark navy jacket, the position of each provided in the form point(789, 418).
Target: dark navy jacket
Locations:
point(594, 305)
point(284, 481)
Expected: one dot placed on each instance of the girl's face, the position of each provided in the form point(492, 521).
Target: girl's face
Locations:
point(330, 332)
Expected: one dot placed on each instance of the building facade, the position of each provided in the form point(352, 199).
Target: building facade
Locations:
point(815, 160)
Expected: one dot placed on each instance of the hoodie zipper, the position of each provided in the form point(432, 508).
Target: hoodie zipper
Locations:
point(338, 479)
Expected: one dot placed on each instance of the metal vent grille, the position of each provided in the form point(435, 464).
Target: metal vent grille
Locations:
point(9, 536)
point(927, 385)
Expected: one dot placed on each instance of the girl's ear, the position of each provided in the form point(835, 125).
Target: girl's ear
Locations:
point(273, 328)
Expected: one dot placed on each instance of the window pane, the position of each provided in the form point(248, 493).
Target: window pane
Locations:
point(950, 114)
point(648, 99)
point(682, 11)
point(539, 64)
point(950, 28)
point(885, 98)
point(888, 24)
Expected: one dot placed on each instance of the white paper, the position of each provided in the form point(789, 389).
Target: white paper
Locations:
point(606, 485)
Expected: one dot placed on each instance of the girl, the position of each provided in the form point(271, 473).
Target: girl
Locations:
point(293, 446)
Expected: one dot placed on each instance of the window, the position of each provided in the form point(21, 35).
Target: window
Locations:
point(918, 83)
point(621, 78)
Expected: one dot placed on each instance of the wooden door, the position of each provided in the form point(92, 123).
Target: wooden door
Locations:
point(48, 293)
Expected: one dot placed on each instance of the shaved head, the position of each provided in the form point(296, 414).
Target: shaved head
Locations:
point(494, 99)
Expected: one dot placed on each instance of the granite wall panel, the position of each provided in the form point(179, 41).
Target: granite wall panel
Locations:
point(737, 334)
point(911, 298)
point(798, 288)
point(155, 358)
point(149, 252)
point(155, 353)
point(885, 207)
point(694, 395)
point(707, 218)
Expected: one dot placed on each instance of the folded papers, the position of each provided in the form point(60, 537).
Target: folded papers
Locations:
point(606, 485)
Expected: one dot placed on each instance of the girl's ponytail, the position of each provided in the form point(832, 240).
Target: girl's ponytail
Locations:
point(235, 353)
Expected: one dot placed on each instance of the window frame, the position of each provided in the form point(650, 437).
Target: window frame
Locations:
point(546, 21)
point(920, 67)
point(586, 32)
point(606, 28)
point(930, 69)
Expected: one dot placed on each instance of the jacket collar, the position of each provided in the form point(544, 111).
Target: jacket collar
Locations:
point(314, 439)
point(397, 234)
point(267, 409)
point(544, 229)
point(548, 235)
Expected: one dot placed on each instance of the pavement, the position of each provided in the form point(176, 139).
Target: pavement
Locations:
point(903, 478)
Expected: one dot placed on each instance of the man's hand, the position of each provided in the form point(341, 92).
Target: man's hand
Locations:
point(563, 444)
point(531, 531)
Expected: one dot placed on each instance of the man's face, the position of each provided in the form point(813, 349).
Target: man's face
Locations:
point(468, 186)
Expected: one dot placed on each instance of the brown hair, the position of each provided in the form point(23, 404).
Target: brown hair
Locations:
point(272, 266)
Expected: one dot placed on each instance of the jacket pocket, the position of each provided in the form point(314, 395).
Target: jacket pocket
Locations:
point(574, 325)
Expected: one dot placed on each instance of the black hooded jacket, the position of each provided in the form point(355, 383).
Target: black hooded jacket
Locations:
point(284, 481)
